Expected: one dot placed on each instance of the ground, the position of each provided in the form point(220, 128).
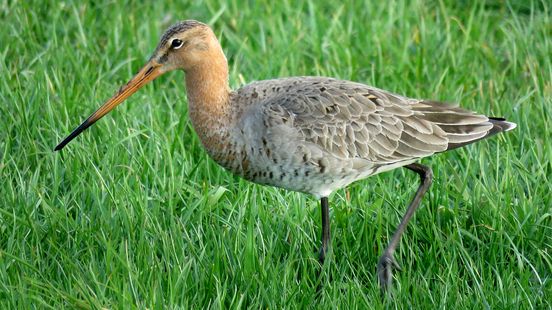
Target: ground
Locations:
point(134, 214)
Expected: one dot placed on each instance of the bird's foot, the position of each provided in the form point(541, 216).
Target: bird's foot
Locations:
point(386, 264)
point(321, 259)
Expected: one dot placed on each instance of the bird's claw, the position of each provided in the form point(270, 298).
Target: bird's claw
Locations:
point(386, 264)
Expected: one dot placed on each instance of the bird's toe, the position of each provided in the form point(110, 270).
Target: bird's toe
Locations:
point(386, 264)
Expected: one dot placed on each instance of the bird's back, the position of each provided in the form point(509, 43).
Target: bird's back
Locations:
point(315, 134)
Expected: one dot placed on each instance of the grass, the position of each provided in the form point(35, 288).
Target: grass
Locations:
point(133, 214)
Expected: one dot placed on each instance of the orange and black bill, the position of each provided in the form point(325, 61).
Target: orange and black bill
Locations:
point(148, 73)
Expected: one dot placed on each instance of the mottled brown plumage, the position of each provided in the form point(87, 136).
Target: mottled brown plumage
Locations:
point(315, 134)
point(307, 134)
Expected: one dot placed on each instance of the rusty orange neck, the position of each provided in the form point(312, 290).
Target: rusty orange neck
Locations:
point(209, 98)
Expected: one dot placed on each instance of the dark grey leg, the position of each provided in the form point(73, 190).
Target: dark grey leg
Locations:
point(325, 229)
point(387, 261)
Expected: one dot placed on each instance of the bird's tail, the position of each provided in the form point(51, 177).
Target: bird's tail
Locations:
point(499, 125)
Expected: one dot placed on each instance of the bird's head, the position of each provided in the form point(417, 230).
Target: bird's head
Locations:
point(183, 46)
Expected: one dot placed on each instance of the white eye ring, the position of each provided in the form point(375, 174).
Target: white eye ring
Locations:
point(176, 44)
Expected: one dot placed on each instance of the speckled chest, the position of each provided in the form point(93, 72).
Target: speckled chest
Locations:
point(254, 152)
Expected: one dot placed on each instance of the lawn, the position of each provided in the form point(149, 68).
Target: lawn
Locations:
point(134, 214)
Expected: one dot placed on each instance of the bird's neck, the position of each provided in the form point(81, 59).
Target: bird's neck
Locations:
point(209, 99)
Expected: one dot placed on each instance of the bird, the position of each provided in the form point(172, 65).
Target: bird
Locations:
point(307, 134)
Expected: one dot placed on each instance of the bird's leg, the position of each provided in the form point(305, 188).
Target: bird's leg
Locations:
point(387, 261)
point(325, 229)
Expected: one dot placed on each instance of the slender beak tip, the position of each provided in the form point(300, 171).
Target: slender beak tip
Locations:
point(146, 74)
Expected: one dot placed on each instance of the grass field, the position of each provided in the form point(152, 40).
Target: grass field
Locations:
point(134, 214)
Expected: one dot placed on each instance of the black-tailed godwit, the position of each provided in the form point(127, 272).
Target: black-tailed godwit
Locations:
point(307, 134)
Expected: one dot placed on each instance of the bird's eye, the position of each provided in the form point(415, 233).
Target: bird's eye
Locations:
point(176, 43)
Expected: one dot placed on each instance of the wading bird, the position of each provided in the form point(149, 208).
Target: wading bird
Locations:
point(307, 134)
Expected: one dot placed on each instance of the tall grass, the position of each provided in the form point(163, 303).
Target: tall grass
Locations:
point(133, 214)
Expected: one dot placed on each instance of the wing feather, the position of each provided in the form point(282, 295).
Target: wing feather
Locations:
point(353, 121)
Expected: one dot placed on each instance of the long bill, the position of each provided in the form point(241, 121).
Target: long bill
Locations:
point(148, 73)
